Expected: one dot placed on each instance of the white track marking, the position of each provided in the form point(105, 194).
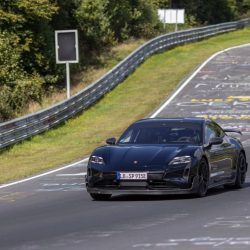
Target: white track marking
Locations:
point(44, 174)
point(78, 174)
point(152, 116)
point(191, 77)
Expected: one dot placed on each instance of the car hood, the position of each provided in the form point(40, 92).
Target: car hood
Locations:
point(137, 157)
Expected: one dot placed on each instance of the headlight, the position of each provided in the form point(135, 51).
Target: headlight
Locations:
point(97, 160)
point(181, 160)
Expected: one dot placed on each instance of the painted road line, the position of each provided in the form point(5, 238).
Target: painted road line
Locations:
point(44, 174)
point(196, 243)
point(158, 111)
point(78, 174)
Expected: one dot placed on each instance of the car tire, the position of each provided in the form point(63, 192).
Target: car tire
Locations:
point(100, 197)
point(241, 172)
point(203, 178)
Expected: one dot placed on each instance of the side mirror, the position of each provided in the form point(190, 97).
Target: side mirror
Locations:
point(111, 141)
point(215, 141)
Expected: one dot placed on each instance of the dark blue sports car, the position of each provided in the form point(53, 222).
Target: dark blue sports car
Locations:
point(167, 156)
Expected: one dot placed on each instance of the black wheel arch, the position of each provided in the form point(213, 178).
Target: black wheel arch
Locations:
point(241, 151)
point(206, 159)
point(196, 170)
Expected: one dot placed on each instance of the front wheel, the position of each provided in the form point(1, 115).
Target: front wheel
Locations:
point(203, 178)
point(100, 197)
point(241, 171)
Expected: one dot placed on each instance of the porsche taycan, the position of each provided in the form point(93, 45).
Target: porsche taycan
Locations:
point(167, 156)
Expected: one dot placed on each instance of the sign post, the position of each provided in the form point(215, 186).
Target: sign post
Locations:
point(176, 21)
point(68, 80)
point(67, 51)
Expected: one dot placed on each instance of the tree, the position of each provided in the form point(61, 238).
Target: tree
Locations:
point(94, 23)
point(23, 47)
point(212, 12)
point(120, 14)
point(17, 88)
point(145, 22)
point(243, 7)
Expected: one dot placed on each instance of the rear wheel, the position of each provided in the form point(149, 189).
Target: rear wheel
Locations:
point(100, 197)
point(203, 177)
point(241, 171)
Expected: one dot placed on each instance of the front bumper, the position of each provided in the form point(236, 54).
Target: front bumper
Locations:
point(144, 188)
point(135, 191)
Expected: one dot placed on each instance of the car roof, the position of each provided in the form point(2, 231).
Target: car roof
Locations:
point(196, 120)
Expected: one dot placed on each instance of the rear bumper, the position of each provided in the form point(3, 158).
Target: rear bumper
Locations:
point(144, 190)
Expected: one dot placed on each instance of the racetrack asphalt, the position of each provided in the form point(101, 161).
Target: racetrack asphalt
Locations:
point(54, 211)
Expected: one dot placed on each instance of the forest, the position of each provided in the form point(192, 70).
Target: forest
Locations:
point(27, 55)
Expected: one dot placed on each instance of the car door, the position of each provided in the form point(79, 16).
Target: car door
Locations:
point(220, 157)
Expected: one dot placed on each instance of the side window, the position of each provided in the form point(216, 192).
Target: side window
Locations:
point(219, 131)
point(127, 137)
point(212, 130)
point(209, 133)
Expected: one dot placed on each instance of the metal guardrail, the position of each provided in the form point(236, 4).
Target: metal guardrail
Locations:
point(24, 127)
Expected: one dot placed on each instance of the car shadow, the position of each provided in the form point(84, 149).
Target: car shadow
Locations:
point(212, 192)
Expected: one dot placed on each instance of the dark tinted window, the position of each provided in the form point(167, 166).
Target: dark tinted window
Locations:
point(162, 133)
point(212, 130)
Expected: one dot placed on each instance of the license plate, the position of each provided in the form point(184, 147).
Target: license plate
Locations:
point(132, 176)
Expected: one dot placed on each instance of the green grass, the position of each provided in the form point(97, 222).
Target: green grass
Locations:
point(104, 62)
point(135, 98)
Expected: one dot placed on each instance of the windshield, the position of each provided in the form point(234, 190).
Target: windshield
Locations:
point(162, 133)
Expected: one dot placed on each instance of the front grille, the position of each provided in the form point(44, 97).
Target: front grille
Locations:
point(109, 175)
point(160, 185)
point(156, 180)
point(174, 173)
point(105, 183)
point(130, 185)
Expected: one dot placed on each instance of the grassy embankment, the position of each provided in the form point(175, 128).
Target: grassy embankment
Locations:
point(135, 98)
point(104, 62)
